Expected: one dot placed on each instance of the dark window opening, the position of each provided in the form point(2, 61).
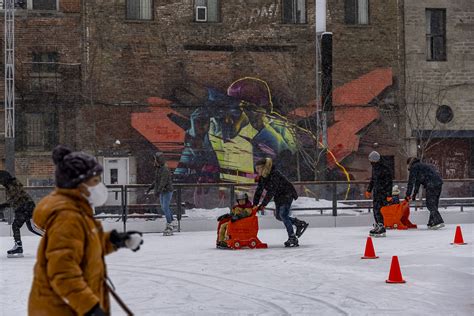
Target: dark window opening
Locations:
point(44, 4)
point(356, 11)
point(436, 34)
point(45, 62)
point(444, 114)
point(294, 11)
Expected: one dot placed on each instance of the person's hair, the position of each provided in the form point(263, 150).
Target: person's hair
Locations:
point(267, 164)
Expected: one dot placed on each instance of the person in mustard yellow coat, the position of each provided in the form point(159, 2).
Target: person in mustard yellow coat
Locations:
point(70, 272)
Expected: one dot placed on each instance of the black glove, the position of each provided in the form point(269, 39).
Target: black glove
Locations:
point(235, 218)
point(131, 239)
point(96, 311)
point(223, 217)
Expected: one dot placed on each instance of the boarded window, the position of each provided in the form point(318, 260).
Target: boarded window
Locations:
point(139, 9)
point(436, 34)
point(294, 11)
point(206, 10)
point(356, 11)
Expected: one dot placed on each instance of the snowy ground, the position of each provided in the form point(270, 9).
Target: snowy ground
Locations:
point(185, 275)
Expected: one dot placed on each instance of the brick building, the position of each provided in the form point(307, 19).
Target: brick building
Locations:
point(150, 69)
point(440, 71)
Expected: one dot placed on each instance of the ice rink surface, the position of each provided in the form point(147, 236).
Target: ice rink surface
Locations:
point(185, 275)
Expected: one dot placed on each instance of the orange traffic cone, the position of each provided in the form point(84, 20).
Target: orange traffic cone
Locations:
point(369, 250)
point(395, 275)
point(458, 240)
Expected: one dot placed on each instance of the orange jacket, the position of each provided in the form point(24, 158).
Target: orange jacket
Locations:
point(70, 273)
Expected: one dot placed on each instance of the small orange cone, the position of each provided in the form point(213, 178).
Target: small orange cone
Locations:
point(458, 240)
point(395, 275)
point(369, 250)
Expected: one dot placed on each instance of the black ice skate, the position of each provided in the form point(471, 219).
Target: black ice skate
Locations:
point(378, 231)
point(222, 245)
point(16, 251)
point(168, 230)
point(300, 227)
point(292, 242)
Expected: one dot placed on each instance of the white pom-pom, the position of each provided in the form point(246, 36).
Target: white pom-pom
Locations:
point(133, 241)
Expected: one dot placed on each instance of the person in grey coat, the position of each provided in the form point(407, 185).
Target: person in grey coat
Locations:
point(163, 188)
point(426, 175)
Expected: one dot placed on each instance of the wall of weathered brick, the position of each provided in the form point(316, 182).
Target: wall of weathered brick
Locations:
point(455, 76)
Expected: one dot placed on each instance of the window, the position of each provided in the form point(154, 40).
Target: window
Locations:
point(206, 11)
point(34, 130)
point(44, 4)
point(139, 9)
point(45, 62)
point(356, 11)
point(37, 131)
point(294, 11)
point(435, 34)
point(444, 114)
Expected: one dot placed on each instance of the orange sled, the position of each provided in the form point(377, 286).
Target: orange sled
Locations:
point(243, 233)
point(396, 216)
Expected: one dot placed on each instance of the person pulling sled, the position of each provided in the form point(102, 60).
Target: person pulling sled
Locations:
point(283, 192)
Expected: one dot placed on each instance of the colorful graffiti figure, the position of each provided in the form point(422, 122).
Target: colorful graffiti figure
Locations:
point(230, 131)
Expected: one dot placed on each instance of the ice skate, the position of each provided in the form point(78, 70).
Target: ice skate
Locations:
point(292, 242)
point(174, 225)
point(378, 231)
point(300, 227)
point(168, 230)
point(16, 251)
point(222, 245)
point(436, 226)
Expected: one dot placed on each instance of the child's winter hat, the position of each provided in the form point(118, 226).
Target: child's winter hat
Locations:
point(374, 156)
point(73, 168)
point(395, 190)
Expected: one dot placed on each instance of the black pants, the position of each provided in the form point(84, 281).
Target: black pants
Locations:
point(378, 203)
point(432, 202)
point(23, 214)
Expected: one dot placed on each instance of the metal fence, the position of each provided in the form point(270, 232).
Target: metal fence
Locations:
point(331, 198)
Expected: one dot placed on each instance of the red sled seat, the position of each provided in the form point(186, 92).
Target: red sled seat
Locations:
point(396, 216)
point(243, 232)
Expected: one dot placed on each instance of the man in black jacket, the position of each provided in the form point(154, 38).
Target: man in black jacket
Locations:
point(283, 192)
point(426, 175)
point(380, 188)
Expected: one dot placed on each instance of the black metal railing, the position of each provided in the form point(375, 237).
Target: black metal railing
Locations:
point(133, 203)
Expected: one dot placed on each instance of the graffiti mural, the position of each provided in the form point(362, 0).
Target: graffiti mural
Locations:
point(225, 134)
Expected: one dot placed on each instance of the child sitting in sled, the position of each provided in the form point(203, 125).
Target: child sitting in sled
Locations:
point(395, 195)
point(242, 209)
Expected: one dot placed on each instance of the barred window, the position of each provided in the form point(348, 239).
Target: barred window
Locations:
point(139, 9)
point(294, 11)
point(206, 11)
point(356, 11)
point(436, 34)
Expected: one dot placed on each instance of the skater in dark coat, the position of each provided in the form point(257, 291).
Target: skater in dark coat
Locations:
point(380, 188)
point(426, 175)
point(283, 192)
point(163, 189)
point(23, 204)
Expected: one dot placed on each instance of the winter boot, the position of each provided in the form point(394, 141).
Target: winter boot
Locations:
point(292, 242)
point(300, 227)
point(378, 231)
point(168, 230)
point(16, 251)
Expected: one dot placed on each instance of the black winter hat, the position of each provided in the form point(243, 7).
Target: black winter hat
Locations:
point(73, 168)
point(5, 177)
